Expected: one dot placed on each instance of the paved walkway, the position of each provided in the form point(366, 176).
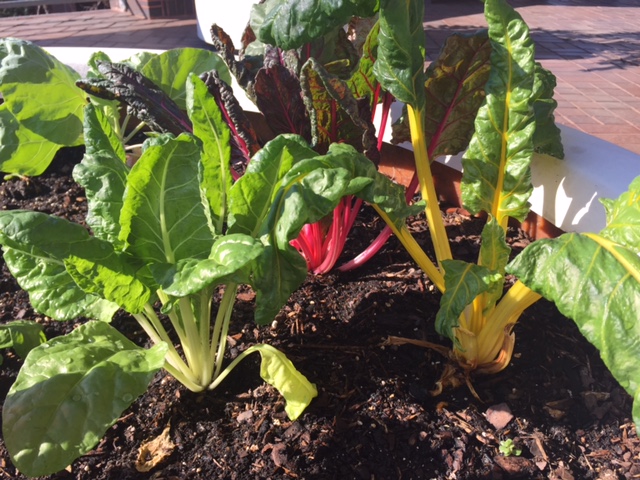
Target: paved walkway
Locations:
point(592, 46)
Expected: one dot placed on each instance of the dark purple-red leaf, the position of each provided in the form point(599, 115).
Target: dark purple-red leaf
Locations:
point(279, 98)
point(144, 99)
point(244, 141)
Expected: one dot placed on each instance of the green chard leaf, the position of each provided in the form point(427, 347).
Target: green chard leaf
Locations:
point(463, 283)
point(290, 24)
point(171, 69)
point(594, 279)
point(245, 140)
point(547, 139)
point(252, 195)
point(214, 133)
point(400, 64)
point(70, 391)
point(494, 254)
point(496, 166)
point(42, 109)
point(21, 335)
point(111, 278)
point(623, 218)
point(231, 261)
point(35, 247)
point(103, 174)
point(164, 219)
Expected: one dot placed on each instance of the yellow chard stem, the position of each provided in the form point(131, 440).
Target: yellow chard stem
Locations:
point(427, 186)
point(490, 339)
point(416, 252)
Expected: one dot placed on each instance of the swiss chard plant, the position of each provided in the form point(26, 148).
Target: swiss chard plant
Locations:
point(593, 278)
point(166, 236)
point(322, 88)
point(482, 93)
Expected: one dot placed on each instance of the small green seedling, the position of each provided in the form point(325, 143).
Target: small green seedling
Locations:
point(508, 448)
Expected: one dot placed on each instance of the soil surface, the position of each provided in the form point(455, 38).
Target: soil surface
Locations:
point(374, 417)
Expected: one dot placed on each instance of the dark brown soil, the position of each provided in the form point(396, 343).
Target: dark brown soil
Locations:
point(374, 417)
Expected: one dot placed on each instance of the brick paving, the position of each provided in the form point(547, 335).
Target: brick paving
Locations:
point(592, 46)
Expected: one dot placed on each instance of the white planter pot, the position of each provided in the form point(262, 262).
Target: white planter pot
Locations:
point(232, 17)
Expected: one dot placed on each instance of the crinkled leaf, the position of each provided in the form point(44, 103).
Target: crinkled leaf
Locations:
point(163, 219)
point(279, 98)
point(52, 291)
point(336, 115)
point(42, 109)
point(103, 175)
point(244, 68)
point(494, 254)
point(252, 195)
point(363, 82)
point(70, 391)
point(496, 165)
point(244, 138)
point(21, 335)
point(277, 370)
point(143, 98)
point(596, 283)
point(231, 255)
point(623, 218)
point(99, 135)
point(110, 277)
point(334, 51)
point(547, 138)
point(214, 133)
point(400, 64)
point(455, 90)
point(463, 283)
point(35, 246)
point(290, 24)
point(171, 69)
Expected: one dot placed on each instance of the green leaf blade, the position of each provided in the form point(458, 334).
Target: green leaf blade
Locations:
point(400, 64)
point(497, 163)
point(214, 133)
point(463, 283)
point(103, 174)
point(292, 23)
point(231, 261)
point(21, 335)
point(70, 391)
point(547, 139)
point(623, 218)
point(163, 219)
point(252, 195)
point(170, 70)
point(42, 109)
point(596, 283)
point(35, 246)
